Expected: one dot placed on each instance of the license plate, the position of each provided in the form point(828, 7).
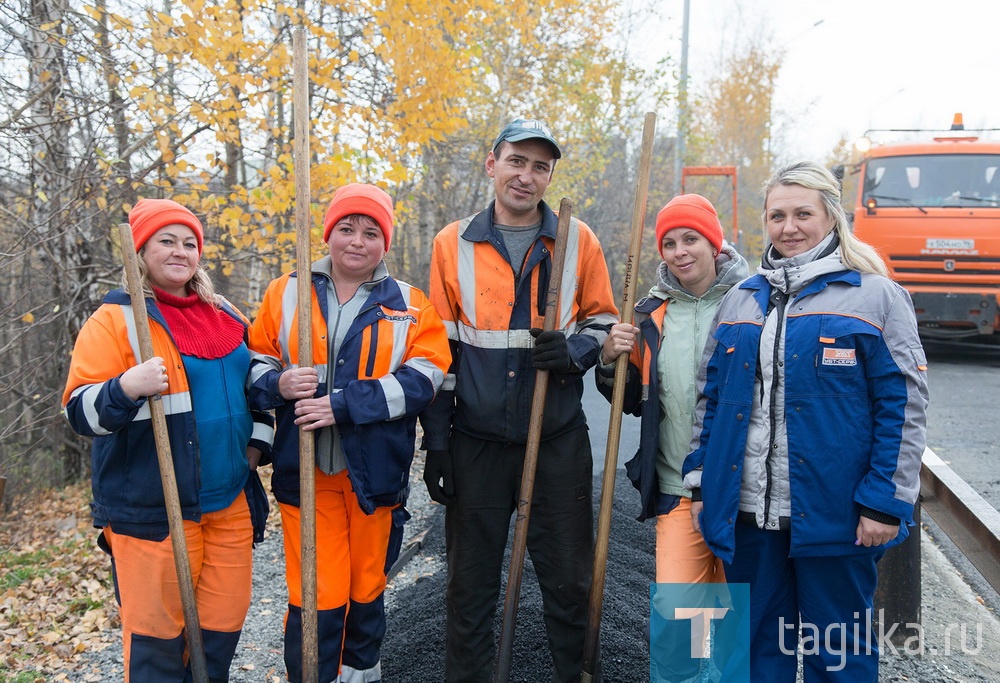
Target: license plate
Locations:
point(951, 244)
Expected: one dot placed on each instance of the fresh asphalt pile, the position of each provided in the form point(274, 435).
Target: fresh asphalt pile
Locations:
point(414, 646)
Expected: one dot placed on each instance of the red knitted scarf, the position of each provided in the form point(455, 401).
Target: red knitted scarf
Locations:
point(198, 328)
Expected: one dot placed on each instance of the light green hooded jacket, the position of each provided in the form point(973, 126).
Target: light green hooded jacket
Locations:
point(686, 326)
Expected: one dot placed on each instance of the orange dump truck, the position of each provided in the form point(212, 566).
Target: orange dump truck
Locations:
point(933, 211)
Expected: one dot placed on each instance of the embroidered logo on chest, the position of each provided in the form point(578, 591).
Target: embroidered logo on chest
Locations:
point(401, 319)
point(840, 357)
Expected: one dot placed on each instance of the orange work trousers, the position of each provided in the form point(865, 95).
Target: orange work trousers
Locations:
point(681, 553)
point(682, 557)
point(354, 552)
point(220, 552)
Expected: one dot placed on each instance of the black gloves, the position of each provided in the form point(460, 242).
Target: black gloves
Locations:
point(551, 351)
point(437, 477)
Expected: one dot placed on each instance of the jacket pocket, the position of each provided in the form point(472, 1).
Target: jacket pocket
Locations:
point(839, 356)
point(731, 340)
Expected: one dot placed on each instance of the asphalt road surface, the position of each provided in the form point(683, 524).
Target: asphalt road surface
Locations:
point(962, 422)
point(598, 410)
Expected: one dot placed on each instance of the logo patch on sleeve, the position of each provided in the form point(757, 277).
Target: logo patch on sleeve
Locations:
point(840, 357)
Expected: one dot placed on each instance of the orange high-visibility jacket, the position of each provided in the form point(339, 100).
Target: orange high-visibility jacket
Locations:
point(488, 315)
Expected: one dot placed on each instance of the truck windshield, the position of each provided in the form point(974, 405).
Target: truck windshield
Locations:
point(933, 180)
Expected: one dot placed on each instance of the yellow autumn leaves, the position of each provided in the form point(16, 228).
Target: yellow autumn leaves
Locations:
point(208, 88)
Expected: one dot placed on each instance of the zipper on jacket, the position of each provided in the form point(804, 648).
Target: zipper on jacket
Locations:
point(331, 369)
point(196, 442)
point(331, 358)
point(778, 299)
point(544, 274)
point(696, 356)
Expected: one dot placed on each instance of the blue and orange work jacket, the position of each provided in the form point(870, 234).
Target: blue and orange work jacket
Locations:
point(388, 368)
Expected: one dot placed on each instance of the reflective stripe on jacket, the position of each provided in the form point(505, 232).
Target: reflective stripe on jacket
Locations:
point(391, 363)
point(855, 408)
point(488, 314)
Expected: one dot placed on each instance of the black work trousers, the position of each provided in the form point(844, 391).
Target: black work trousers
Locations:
point(487, 481)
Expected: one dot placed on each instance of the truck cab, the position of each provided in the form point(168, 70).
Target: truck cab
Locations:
point(932, 210)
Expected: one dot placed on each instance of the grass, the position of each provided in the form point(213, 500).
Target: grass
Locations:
point(7, 676)
point(82, 605)
point(22, 567)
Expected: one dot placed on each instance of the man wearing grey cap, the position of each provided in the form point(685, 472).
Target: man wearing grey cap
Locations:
point(489, 276)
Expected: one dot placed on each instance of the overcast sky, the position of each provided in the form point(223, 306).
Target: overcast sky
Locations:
point(869, 64)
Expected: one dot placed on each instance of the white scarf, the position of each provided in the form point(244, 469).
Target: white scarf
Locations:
point(793, 273)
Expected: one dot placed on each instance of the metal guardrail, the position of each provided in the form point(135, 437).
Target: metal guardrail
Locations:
point(970, 522)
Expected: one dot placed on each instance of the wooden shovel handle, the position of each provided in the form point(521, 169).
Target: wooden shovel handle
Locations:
point(168, 478)
point(506, 645)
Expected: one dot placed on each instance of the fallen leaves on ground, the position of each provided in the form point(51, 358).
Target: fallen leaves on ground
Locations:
point(57, 595)
point(56, 592)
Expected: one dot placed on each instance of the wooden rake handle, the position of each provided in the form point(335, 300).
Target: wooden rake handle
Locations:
point(303, 265)
point(592, 641)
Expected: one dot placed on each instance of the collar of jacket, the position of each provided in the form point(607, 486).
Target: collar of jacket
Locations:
point(762, 288)
point(481, 226)
point(381, 293)
point(385, 291)
point(648, 304)
point(120, 297)
point(324, 267)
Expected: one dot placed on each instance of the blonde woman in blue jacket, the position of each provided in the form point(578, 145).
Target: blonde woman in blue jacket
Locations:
point(697, 269)
point(809, 434)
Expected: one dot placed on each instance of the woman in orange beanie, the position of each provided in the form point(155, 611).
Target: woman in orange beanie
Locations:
point(200, 371)
point(380, 352)
point(698, 267)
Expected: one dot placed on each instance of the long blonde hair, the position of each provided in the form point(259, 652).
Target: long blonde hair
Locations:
point(855, 254)
point(199, 283)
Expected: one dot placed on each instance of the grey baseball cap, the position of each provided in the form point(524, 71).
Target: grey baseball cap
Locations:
point(526, 129)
